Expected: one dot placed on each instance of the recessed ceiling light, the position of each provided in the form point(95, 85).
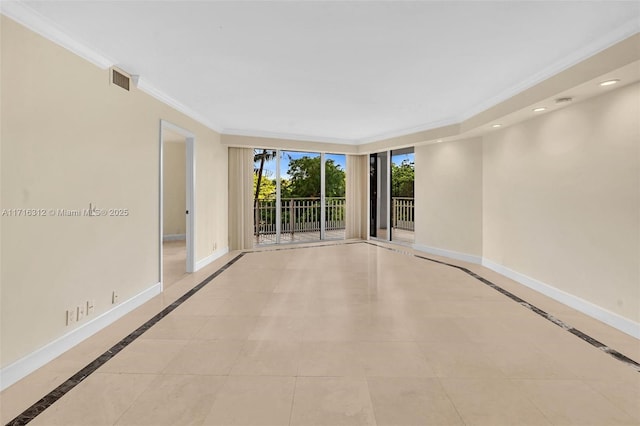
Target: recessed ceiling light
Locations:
point(539, 109)
point(495, 126)
point(564, 100)
point(609, 82)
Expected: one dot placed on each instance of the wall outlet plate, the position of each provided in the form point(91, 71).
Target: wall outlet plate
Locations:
point(114, 297)
point(71, 316)
point(90, 306)
point(80, 312)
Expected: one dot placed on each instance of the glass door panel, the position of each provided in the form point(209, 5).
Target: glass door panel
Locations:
point(335, 192)
point(402, 195)
point(300, 186)
point(264, 200)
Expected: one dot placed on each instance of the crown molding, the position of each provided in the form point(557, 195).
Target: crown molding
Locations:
point(37, 23)
point(287, 136)
point(621, 33)
point(158, 94)
point(407, 131)
point(31, 19)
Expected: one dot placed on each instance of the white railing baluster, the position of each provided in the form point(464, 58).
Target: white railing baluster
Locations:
point(303, 215)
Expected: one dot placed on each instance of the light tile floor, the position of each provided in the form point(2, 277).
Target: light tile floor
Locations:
point(344, 334)
point(174, 261)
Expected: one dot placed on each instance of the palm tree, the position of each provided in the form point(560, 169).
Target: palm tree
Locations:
point(265, 155)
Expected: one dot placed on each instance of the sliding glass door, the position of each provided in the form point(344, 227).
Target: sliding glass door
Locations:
point(300, 197)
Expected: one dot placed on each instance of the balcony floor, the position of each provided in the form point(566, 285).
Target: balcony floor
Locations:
point(342, 333)
point(298, 237)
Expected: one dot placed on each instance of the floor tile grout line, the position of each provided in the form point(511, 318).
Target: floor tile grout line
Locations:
point(41, 405)
point(583, 336)
point(46, 401)
point(293, 398)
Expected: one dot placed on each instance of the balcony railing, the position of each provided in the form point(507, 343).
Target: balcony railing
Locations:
point(403, 213)
point(302, 215)
point(298, 215)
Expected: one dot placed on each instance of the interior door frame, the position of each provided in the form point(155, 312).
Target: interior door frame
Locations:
point(190, 207)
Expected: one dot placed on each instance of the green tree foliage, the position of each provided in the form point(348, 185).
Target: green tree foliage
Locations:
point(260, 156)
point(305, 178)
point(267, 187)
point(402, 178)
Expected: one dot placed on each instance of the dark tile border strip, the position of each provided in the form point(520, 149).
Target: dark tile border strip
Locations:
point(45, 402)
point(593, 342)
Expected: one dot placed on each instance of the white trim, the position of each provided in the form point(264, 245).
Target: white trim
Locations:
point(174, 237)
point(323, 198)
point(619, 34)
point(26, 16)
point(388, 195)
point(465, 257)
point(287, 136)
point(212, 257)
point(30, 18)
point(278, 198)
point(190, 194)
point(154, 92)
point(191, 202)
point(611, 318)
point(36, 359)
point(445, 122)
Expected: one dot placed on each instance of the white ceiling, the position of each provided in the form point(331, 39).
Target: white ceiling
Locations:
point(348, 72)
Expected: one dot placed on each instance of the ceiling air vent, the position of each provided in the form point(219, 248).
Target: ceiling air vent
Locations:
point(120, 78)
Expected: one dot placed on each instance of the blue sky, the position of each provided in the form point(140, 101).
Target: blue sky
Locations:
point(270, 167)
point(339, 159)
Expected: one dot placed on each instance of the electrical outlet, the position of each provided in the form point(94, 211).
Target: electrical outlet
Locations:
point(114, 297)
point(215, 245)
point(80, 311)
point(90, 306)
point(71, 316)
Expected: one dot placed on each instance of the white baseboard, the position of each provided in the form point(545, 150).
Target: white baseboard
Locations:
point(213, 256)
point(623, 324)
point(28, 364)
point(465, 257)
point(174, 237)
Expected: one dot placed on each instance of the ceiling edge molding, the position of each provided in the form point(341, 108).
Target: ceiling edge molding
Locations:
point(37, 23)
point(29, 18)
point(244, 141)
point(161, 96)
point(287, 136)
point(620, 34)
point(408, 131)
point(411, 139)
point(605, 61)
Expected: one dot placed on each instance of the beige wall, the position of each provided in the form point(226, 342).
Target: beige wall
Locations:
point(174, 187)
point(562, 200)
point(69, 138)
point(448, 192)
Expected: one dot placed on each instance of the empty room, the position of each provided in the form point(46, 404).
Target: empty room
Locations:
point(319, 213)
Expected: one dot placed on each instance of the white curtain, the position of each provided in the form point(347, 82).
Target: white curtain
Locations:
point(356, 193)
point(240, 198)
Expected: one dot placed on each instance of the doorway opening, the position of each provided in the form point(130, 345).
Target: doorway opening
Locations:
point(391, 195)
point(402, 195)
point(379, 177)
point(177, 210)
